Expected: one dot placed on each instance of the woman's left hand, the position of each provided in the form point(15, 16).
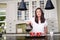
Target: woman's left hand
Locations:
point(43, 34)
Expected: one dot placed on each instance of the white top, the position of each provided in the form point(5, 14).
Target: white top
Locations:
point(38, 27)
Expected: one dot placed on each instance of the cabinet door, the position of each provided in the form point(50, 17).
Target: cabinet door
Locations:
point(11, 16)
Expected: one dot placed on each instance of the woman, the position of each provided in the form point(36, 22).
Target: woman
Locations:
point(38, 23)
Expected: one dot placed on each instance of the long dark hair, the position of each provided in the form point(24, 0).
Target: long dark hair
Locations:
point(42, 16)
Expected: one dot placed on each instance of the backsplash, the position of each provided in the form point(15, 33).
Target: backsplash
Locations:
point(52, 20)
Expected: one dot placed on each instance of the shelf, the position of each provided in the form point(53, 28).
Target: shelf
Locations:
point(2, 15)
point(2, 21)
point(3, 5)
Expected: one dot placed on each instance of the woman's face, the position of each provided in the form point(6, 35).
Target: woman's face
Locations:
point(38, 11)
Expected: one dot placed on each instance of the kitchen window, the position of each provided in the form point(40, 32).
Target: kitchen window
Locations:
point(34, 5)
point(27, 11)
point(42, 4)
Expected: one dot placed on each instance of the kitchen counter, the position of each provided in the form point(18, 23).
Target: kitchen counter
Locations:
point(31, 38)
point(26, 36)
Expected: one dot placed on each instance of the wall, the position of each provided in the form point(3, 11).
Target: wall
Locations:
point(58, 11)
point(51, 17)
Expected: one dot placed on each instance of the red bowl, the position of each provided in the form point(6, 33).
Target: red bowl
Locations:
point(32, 33)
point(38, 34)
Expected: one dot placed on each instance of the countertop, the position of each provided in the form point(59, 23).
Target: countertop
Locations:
point(26, 36)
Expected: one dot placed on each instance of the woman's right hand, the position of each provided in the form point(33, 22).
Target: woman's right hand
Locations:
point(43, 34)
point(28, 22)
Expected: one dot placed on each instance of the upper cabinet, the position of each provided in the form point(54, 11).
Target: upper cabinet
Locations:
point(3, 5)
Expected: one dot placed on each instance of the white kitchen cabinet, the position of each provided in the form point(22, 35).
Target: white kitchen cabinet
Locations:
point(11, 16)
